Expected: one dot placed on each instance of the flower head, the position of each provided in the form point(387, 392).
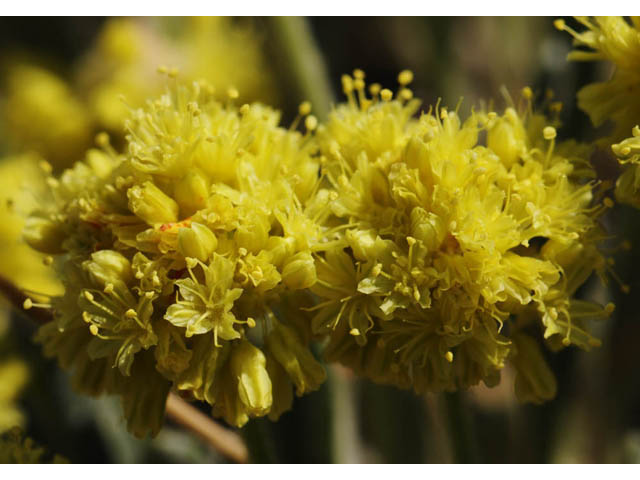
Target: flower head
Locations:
point(442, 246)
point(176, 257)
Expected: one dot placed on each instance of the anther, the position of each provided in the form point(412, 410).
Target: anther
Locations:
point(355, 332)
point(406, 94)
point(358, 74)
point(28, 304)
point(386, 94)
point(347, 84)
point(131, 313)
point(102, 139)
point(93, 329)
point(559, 24)
point(304, 108)
point(311, 122)
point(405, 77)
point(527, 93)
point(449, 356)
point(549, 133)
point(251, 323)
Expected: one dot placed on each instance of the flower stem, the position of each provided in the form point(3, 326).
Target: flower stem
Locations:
point(303, 60)
point(461, 432)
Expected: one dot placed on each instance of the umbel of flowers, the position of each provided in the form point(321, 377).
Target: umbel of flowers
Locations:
point(428, 252)
point(185, 260)
point(462, 243)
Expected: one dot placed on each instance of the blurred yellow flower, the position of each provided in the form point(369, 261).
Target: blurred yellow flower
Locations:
point(616, 40)
point(120, 70)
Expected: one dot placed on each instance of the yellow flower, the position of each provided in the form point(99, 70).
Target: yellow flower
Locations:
point(177, 255)
point(615, 40)
point(42, 114)
point(22, 183)
point(206, 307)
point(441, 247)
point(128, 51)
point(628, 184)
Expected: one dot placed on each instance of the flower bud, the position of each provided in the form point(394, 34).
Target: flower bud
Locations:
point(43, 234)
point(305, 371)
point(151, 204)
point(254, 234)
point(281, 388)
point(427, 227)
point(281, 248)
point(191, 193)
point(198, 241)
point(627, 187)
point(299, 271)
point(108, 266)
point(507, 138)
point(248, 366)
point(535, 381)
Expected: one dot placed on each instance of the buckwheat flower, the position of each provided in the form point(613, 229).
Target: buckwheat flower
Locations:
point(179, 258)
point(448, 256)
point(615, 40)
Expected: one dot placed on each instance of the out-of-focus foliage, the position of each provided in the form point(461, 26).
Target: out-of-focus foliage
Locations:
point(15, 448)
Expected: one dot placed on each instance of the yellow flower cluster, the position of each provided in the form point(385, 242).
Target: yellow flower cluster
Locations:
point(185, 260)
point(428, 251)
point(615, 40)
point(448, 253)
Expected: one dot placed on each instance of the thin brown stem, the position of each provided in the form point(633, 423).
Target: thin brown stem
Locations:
point(224, 441)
